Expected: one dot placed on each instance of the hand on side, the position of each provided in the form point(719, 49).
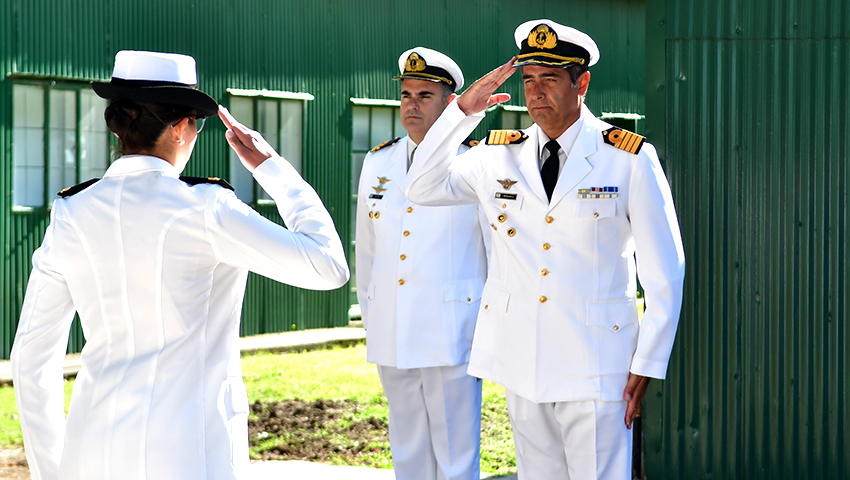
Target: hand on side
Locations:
point(248, 144)
point(479, 96)
point(635, 389)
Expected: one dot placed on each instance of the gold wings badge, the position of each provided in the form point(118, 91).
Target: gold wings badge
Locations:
point(507, 183)
point(383, 180)
point(379, 189)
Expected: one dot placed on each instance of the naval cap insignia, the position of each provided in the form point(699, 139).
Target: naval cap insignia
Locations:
point(542, 37)
point(383, 180)
point(507, 183)
point(415, 63)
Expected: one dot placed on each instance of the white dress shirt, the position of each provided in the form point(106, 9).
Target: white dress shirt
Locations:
point(156, 269)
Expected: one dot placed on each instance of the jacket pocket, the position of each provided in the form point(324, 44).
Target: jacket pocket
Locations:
point(612, 316)
point(467, 291)
point(597, 208)
point(495, 298)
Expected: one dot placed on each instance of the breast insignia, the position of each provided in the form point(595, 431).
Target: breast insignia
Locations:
point(77, 188)
point(379, 189)
point(623, 139)
point(385, 144)
point(505, 137)
point(201, 180)
point(383, 180)
point(506, 183)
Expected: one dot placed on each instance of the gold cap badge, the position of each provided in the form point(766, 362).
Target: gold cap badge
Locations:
point(415, 63)
point(542, 37)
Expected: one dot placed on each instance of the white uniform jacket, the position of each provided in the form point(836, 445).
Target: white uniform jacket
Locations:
point(558, 320)
point(156, 269)
point(420, 270)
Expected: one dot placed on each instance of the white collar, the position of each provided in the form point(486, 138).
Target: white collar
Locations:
point(140, 163)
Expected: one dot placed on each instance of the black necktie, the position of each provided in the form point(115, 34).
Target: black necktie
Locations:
point(549, 172)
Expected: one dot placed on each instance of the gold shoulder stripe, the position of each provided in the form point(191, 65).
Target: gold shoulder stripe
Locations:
point(623, 139)
point(385, 144)
point(505, 137)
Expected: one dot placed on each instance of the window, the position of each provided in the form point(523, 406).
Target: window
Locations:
point(279, 117)
point(632, 122)
point(373, 123)
point(59, 139)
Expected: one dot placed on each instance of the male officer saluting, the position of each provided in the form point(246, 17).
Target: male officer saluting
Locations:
point(420, 273)
point(573, 200)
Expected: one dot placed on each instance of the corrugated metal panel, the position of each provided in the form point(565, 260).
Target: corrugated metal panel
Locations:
point(755, 124)
point(332, 50)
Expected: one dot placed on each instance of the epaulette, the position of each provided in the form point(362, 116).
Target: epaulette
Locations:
point(623, 139)
point(505, 137)
point(385, 144)
point(470, 142)
point(77, 188)
point(199, 180)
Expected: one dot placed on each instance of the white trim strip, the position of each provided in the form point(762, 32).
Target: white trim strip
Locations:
point(239, 92)
point(373, 102)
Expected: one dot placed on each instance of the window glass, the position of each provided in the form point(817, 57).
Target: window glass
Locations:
point(291, 115)
point(381, 126)
point(360, 124)
point(28, 145)
point(63, 140)
point(242, 109)
point(94, 135)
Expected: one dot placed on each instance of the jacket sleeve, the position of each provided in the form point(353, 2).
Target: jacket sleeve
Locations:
point(364, 246)
point(660, 263)
point(435, 178)
point(309, 254)
point(37, 358)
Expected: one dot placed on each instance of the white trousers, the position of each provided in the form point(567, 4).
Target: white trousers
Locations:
point(435, 422)
point(570, 440)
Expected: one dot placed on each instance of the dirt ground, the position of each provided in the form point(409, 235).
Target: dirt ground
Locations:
point(13, 464)
point(313, 431)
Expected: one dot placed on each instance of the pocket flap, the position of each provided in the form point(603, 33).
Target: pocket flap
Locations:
point(370, 292)
point(613, 316)
point(506, 201)
point(467, 291)
point(597, 208)
point(495, 298)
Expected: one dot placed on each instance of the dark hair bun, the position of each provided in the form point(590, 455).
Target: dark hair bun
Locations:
point(120, 116)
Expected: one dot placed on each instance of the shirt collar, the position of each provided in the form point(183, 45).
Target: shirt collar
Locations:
point(566, 140)
point(129, 164)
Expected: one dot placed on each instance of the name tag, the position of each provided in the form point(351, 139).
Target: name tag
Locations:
point(506, 196)
point(376, 196)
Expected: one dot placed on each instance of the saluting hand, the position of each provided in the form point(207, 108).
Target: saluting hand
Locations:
point(248, 144)
point(480, 95)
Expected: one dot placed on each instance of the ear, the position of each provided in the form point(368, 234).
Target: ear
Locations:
point(583, 82)
point(179, 129)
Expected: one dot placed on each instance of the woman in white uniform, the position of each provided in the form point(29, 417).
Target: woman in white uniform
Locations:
point(156, 266)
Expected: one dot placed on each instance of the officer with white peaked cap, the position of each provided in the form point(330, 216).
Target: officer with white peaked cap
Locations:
point(575, 202)
point(155, 264)
point(420, 272)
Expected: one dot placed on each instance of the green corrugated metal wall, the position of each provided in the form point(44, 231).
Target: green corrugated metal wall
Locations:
point(747, 101)
point(333, 50)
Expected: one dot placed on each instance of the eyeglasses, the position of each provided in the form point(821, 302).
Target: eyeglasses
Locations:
point(199, 123)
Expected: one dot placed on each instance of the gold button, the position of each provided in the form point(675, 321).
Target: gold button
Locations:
point(511, 232)
point(504, 205)
point(403, 256)
point(373, 204)
point(543, 299)
point(549, 219)
point(486, 307)
point(371, 214)
point(406, 233)
point(401, 282)
point(494, 227)
point(545, 246)
point(468, 299)
point(377, 214)
point(409, 209)
point(596, 214)
point(502, 217)
point(544, 272)
point(616, 328)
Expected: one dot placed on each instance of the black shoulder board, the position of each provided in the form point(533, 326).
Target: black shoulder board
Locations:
point(623, 139)
point(470, 142)
point(77, 188)
point(385, 144)
point(199, 180)
point(505, 137)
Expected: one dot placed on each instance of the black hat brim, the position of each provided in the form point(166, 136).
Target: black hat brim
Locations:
point(175, 94)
